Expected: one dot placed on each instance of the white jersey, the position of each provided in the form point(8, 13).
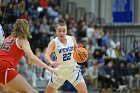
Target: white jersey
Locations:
point(64, 53)
point(1, 35)
point(68, 68)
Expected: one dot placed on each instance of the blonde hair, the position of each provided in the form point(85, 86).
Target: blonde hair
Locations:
point(21, 29)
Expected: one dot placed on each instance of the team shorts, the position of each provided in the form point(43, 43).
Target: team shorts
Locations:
point(73, 75)
point(7, 73)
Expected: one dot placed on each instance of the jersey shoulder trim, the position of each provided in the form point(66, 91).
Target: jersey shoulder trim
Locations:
point(18, 44)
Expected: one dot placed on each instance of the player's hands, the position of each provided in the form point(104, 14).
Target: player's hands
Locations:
point(54, 70)
point(55, 64)
point(80, 45)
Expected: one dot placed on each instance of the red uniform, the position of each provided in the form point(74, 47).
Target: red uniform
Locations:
point(10, 55)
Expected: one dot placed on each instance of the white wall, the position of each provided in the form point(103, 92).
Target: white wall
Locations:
point(82, 3)
point(89, 5)
point(106, 8)
point(94, 7)
point(108, 13)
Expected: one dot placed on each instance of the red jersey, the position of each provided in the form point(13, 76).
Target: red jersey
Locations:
point(10, 52)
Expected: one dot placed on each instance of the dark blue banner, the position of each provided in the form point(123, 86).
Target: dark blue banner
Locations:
point(123, 11)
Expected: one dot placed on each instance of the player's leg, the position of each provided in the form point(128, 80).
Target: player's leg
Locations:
point(81, 87)
point(2, 90)
point(79, 84)
point(19, 84)
point(77, 80)
point(50, 89)
point(54, 83)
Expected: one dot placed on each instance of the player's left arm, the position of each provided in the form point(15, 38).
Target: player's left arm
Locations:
point(75, 43)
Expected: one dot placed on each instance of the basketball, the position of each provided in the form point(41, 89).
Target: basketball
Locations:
point(80, 55)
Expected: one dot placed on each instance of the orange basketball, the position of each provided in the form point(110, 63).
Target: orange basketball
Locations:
point(80, 55)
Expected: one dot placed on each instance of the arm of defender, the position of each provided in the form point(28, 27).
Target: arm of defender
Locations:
point(24, 44)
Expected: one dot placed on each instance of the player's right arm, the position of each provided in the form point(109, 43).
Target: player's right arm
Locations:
point(49, 51)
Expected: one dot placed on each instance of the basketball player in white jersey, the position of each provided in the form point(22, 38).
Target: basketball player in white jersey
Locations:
point(63, 47)
point(2, 37)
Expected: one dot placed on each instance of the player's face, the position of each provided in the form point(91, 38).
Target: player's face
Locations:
point(61, 31)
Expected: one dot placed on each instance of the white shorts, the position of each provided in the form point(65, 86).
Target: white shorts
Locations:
point(73, 75)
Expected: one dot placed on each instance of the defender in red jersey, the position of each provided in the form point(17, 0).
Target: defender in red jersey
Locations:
point(13, 48)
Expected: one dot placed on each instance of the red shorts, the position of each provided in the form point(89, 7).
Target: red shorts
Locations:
point(11, 73)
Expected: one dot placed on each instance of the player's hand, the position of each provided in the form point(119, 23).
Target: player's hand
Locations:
point(80, 45)
point(55, 64)
point(54, 70)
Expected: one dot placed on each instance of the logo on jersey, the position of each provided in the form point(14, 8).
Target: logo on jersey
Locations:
point(7, 44)
point(64, 50)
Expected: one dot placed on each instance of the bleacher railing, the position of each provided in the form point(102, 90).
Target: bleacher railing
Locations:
point(80, 11)
point(90, 16)
point(126, 38)
point(71, 9)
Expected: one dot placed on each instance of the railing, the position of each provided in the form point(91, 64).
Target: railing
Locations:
point(77, 12)
point(71, 9)
point(80, 11)
point(130, 39)
point(100, 20)
point(90, 16)
point(124, 34)
point(63, 6)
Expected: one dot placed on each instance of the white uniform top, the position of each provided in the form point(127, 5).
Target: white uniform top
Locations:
point(1, 35)
point(64, 53)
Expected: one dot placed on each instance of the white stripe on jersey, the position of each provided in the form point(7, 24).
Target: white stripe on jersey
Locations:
point(2, 37)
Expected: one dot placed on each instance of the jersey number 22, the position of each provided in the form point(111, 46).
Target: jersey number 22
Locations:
point(66, 56)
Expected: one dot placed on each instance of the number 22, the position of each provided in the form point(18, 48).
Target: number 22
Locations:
point(66, 56)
